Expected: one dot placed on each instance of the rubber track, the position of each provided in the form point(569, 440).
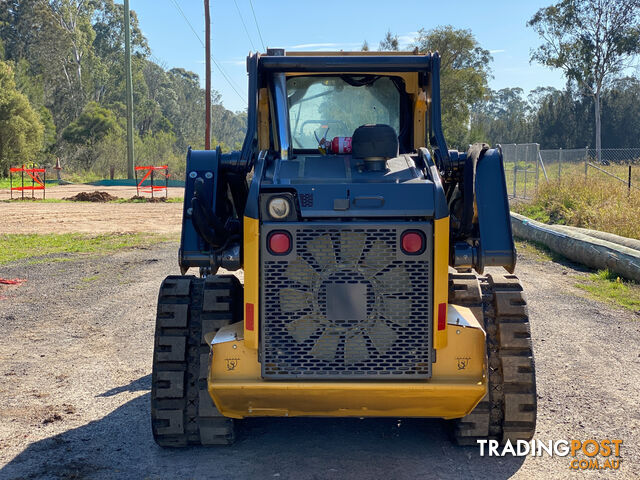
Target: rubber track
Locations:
point(182, 412)
point(508, 411)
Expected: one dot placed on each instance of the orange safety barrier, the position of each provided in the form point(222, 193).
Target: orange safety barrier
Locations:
point(164, 170)
point(37, 183)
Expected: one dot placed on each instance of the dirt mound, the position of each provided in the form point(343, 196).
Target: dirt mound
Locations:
point(139, 198)
point(92, 197)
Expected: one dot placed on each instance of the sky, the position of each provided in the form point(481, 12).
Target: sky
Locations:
point(499, 26)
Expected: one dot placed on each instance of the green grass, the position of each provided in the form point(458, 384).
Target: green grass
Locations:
point(537, 251)
point(606, 286)
point(60, 200)
point(36, 200)
point(144, 200)
point(603, 285)
point(20, 246)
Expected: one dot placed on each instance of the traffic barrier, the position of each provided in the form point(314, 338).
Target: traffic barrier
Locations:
point(164, 170)
point(37, 183)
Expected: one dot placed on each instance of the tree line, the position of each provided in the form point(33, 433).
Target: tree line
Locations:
point(560, 118)
point(62, 91)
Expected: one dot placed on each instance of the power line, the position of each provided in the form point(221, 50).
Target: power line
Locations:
point(257, 26)
point(218, 66)
point(245, 26)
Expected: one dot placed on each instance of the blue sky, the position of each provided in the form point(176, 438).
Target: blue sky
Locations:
point(499, 26)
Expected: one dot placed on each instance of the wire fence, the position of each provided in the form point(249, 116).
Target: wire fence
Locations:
point(526, 166)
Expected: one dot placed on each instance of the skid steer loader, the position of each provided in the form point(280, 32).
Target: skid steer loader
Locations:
point(362, 241)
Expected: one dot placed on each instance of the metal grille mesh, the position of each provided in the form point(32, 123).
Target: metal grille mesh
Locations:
point(383, 329)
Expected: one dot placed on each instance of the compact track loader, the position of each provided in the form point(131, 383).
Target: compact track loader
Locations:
point(362, 240)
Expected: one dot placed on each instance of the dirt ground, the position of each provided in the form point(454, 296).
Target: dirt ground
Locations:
point(90, 217)
point(75, 369)
point(66, 191)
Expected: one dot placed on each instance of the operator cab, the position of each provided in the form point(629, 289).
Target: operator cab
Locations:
point(347, 146)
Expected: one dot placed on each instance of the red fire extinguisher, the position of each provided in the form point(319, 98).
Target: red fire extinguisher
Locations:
point(341, 145)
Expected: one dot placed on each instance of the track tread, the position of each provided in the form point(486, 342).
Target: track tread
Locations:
point(189, 308)
point(508, 411)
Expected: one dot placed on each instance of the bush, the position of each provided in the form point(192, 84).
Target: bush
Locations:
point(598, 203)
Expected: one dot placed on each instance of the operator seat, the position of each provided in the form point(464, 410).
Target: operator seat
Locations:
point(375, 144)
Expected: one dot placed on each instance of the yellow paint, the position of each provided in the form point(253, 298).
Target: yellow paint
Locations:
point(440, 277)
point(234, 360)
point(443, 399)
point(252, 278)
point(457, 384)
point(465, 355)
point(263, 119)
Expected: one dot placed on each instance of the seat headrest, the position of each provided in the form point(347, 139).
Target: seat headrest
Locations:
point(375, 141)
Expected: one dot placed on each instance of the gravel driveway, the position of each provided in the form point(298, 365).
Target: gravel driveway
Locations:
point(75, 372)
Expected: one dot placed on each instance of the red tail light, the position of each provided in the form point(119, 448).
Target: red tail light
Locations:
point(412, 242)
point(249, 314)
point(442, 316)
point(279, 243)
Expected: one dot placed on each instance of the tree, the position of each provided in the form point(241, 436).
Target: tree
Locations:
point(501, 117)
point(389, 42)
point(20, 127)
point(591, 41)
point(621, 113)
point(464, 72)
point(365, 46)
point(92, 125)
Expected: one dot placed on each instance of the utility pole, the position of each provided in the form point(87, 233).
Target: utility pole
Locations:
point(127, 61)
point(207, 88)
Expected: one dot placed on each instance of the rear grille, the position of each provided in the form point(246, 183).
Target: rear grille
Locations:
point(346, 302)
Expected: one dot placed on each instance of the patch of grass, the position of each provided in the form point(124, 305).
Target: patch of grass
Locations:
point(597, 204)
point(20, 246)
point(36, 200)
point(61, 200)
point(603, 285)
point(144, 200)
point(606, 286)
point(91, 278)
point(536, 250)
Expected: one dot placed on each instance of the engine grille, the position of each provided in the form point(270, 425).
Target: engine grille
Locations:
point(346, 302)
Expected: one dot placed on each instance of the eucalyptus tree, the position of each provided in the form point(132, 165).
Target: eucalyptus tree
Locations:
point(591, 41)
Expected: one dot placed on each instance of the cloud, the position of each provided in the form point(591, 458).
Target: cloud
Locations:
point(499, 50)
point(235, 62)
point(406, 39)
point(322, 46)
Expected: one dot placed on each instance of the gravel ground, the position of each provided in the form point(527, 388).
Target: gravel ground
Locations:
point(75, 374)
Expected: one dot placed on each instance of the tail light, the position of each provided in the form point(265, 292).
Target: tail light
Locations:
point(442, 316)
point(412, 242)
point(279, 243)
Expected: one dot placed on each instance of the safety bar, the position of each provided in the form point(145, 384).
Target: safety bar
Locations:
point(344, 64)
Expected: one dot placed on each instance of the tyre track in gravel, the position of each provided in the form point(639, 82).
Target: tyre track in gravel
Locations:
point(75, 367)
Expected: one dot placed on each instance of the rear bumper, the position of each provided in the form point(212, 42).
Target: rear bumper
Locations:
point(286, 399)
point(458, 383)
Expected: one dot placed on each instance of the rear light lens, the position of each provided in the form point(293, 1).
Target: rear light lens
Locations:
point(412, 242)
point(279, 243)
point(249, 314)
point(442, 316)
